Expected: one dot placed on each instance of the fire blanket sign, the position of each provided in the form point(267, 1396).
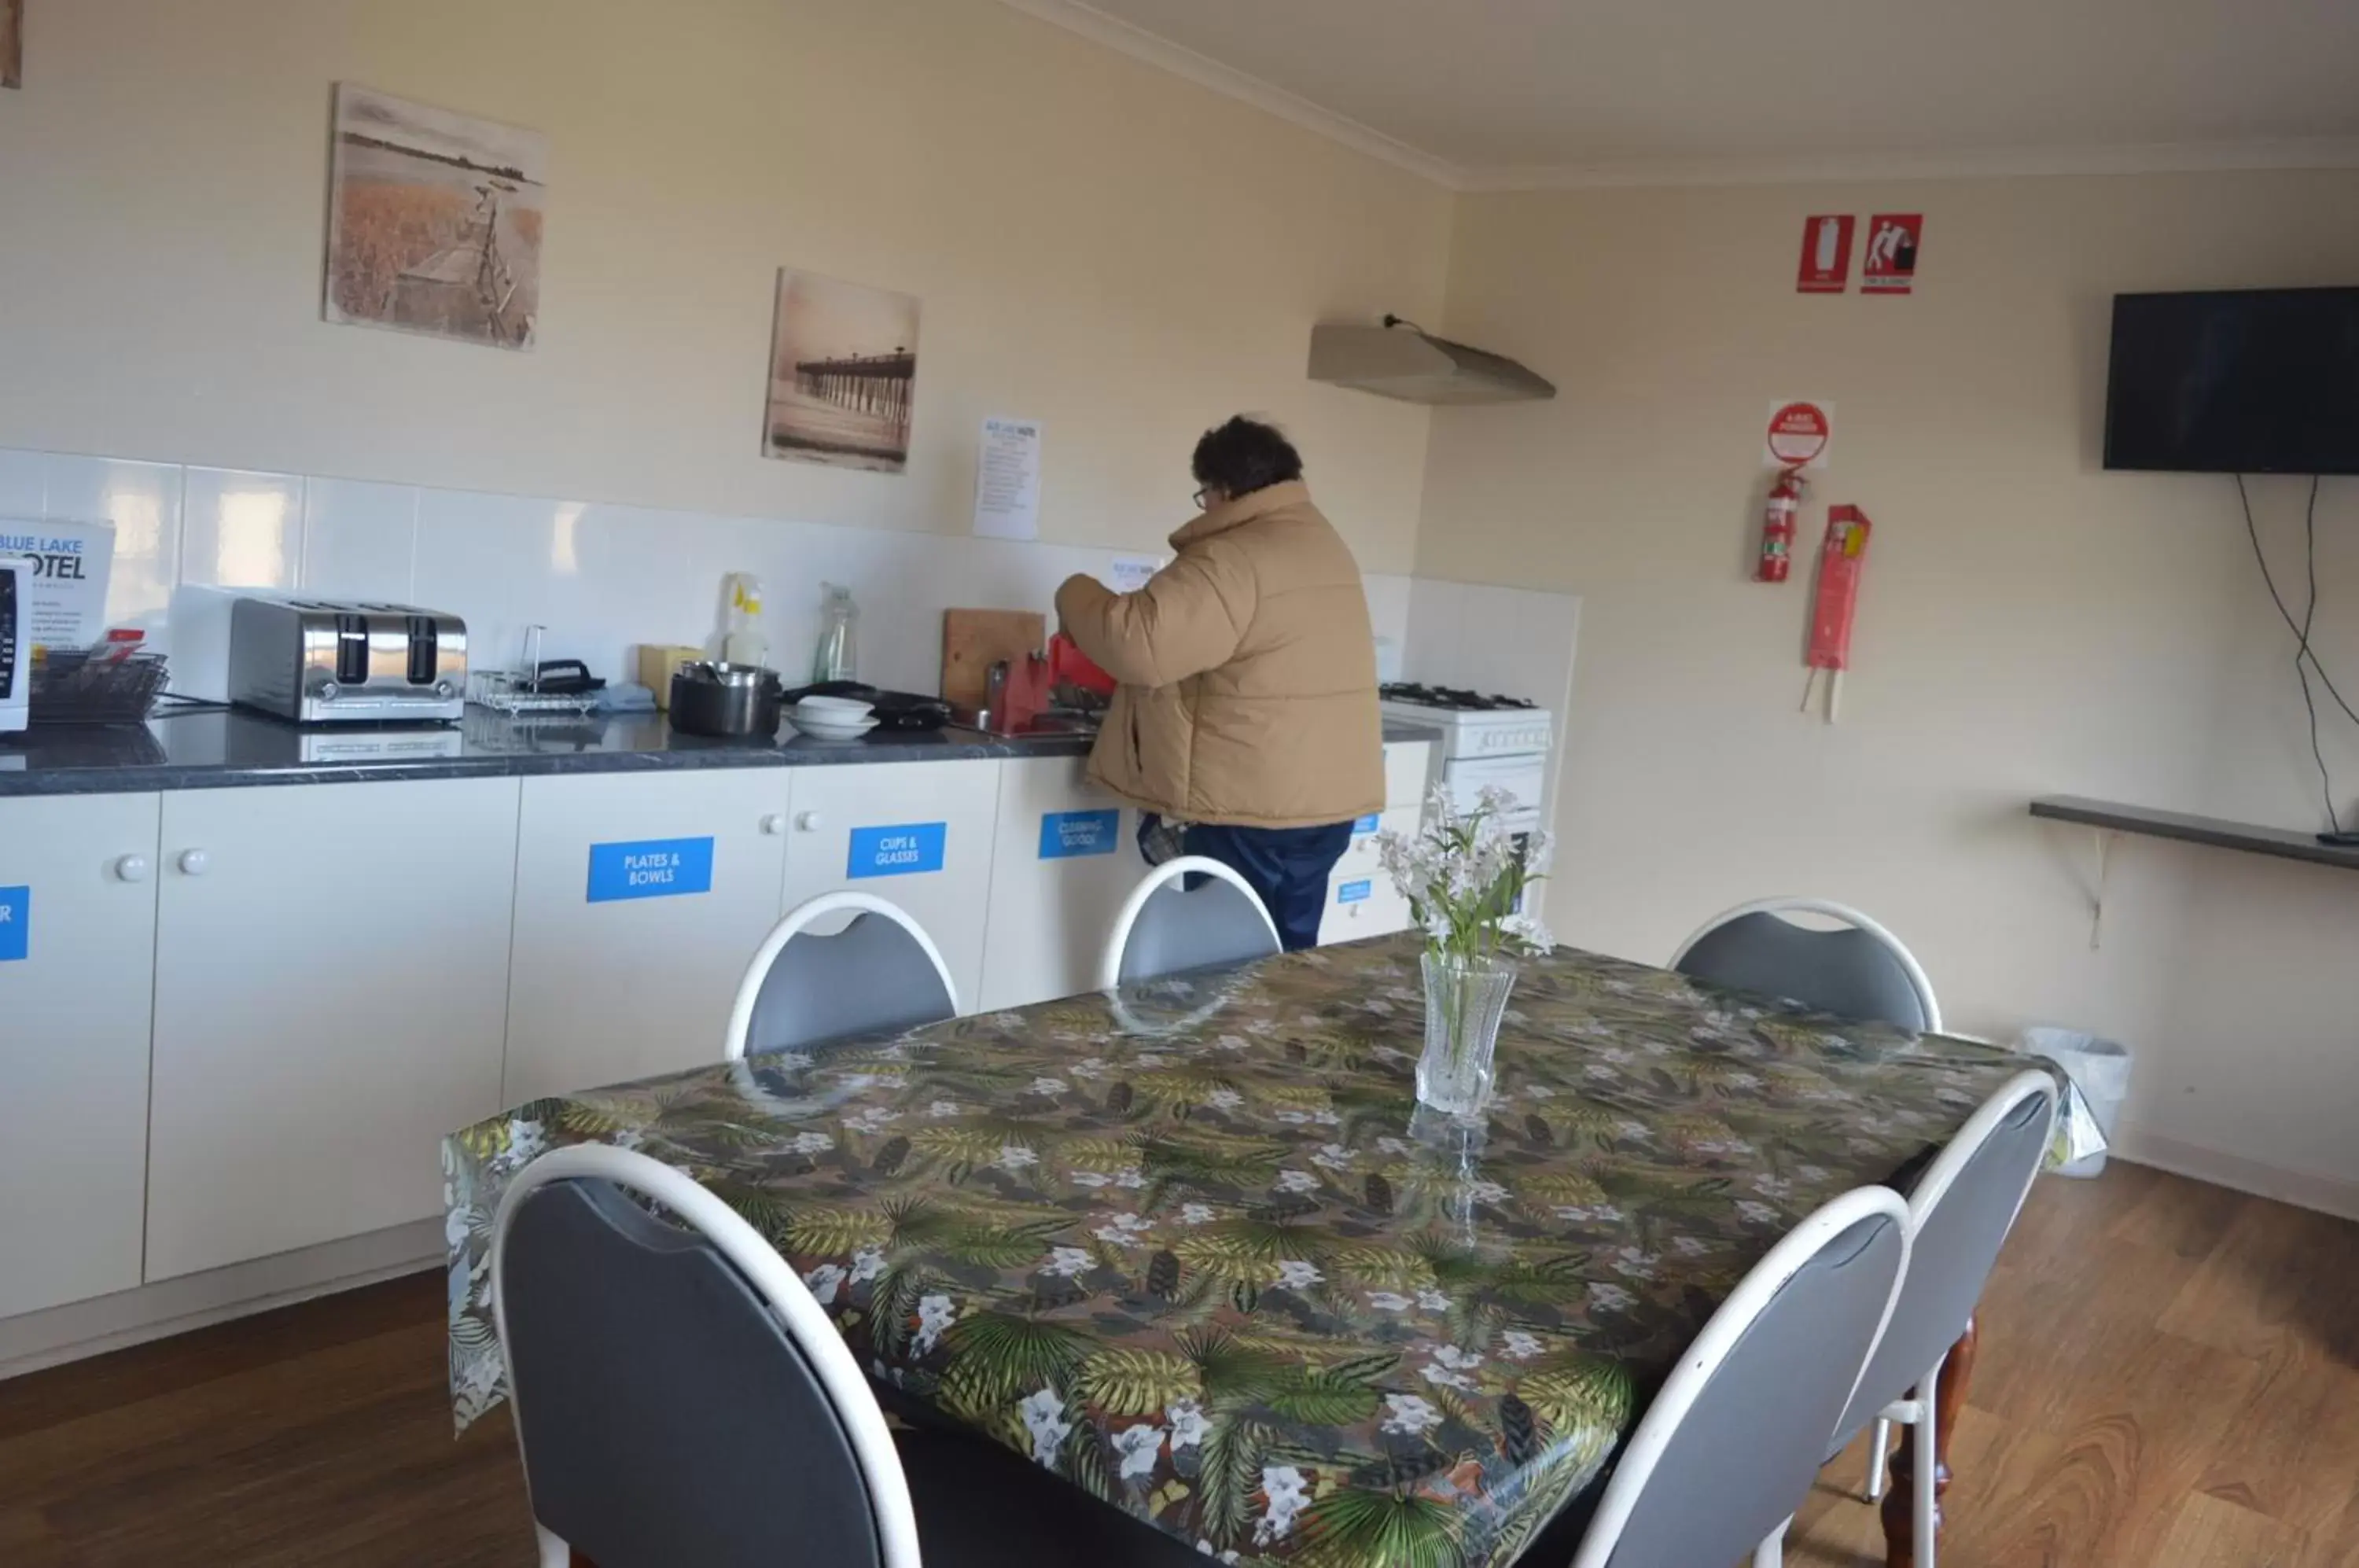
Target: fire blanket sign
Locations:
point(1891, 262)
point(1826, 253)
point(1800, 432)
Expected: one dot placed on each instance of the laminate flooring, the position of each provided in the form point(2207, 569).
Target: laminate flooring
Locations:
point(2169, 1375)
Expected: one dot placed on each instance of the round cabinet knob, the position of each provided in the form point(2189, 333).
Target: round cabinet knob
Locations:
point(329, 692)
point(132, 868)
point(808, 821)
point(194, 861)
point(444, 689)
point(774, 824)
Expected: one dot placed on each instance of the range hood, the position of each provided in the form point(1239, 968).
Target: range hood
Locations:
point(1402, 360)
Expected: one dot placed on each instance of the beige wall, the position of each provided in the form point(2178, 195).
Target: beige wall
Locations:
point(1100, 245)
point(2029, 623)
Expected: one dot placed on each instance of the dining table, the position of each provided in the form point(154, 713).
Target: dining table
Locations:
point(1194, 1246)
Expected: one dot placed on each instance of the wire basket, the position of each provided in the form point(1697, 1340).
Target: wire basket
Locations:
point(504, 692)
point(70, 686)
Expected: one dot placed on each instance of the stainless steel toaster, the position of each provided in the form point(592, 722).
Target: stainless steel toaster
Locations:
point(324, 661)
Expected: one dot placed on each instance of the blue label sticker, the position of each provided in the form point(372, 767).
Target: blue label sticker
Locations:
point(1366, 825)
point(1354, 892)
point(1067, 834)
point(652, 869)
point(15, 923)
point(902, 850)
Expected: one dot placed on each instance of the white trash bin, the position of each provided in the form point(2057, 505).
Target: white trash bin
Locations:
point(2099, 1068)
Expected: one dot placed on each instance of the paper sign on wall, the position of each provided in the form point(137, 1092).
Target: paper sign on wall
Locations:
point(15, 923)
point(650, 869)
point(1132, 572)
point(1890, 266)
point(1801, 430)
point(1064, 835)
point(70, 561)
point(901, 850)
point(1007, 480)
point(1826, 253)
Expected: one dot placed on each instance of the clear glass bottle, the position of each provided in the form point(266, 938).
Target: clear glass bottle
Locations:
point(838, 655)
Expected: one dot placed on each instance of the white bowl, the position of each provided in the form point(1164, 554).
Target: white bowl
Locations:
point(836, 710)
point(830, 729)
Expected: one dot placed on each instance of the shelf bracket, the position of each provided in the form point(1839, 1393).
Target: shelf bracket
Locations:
point(2105, 837)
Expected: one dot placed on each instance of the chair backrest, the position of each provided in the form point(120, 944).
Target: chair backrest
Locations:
point(1861, 971)
point(877, 975)
point(1958, 1215)
point(1166, 927)
point(1729, 1449)
point(678, 1396)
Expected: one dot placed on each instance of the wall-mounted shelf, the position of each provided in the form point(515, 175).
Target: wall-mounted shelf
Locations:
point(2111, 816)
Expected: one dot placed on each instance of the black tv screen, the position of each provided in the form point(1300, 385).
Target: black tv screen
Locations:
point(2258, 381)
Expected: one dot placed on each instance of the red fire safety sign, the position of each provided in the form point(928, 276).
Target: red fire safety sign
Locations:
point(1797, 435)
point(1890, 266)
point(1826, 253)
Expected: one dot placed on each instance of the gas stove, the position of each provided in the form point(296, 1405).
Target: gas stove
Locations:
point(1472, 724)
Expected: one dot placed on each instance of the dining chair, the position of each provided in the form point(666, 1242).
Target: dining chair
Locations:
point(1728, 1450)
point(1861, 971)
point(1960, 1212)
point(879, 974)
point(680, 1397)
point(1166, 927)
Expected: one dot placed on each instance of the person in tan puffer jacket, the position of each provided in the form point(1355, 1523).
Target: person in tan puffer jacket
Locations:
point(1246, 698)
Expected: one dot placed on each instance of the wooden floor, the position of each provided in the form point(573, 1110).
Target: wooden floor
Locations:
point(2169, 1375)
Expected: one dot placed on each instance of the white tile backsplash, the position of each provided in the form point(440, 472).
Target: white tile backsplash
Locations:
point(241, 529)
point(600, 578)
point(358, 539)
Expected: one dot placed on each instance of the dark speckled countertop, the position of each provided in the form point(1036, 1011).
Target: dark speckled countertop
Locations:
point(219, 750)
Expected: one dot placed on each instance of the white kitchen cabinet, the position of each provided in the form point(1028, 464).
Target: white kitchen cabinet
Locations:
point(76, 951)
point(1064, 856)
point(1361, 901)
point(330, 993)
point(625, 963)
point(917, 834)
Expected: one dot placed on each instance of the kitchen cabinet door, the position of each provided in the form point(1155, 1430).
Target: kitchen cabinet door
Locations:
point(331, 995)
point(917, 834)
point(639, 899)
point(1361, 899)
point(1064, 856)
point(77, 965)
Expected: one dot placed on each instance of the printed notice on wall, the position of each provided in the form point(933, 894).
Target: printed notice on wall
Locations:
point(69, 587)
point(1132, 572)
point(1007, 480)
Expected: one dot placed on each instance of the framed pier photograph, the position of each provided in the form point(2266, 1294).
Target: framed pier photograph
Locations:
point(843, 374)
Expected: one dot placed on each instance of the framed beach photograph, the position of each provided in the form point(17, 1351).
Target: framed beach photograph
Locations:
point(434, 220)
point(843, 374)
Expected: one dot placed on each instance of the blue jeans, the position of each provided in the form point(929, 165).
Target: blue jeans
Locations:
point(1286, 867)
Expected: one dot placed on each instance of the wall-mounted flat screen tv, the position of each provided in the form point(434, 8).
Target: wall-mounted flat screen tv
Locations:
point(2254, 381)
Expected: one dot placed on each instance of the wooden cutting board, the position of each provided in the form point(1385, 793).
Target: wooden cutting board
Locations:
point(973, 640)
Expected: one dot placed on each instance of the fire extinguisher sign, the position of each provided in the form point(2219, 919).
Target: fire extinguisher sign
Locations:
point(1801, 430)
point(1826, 253)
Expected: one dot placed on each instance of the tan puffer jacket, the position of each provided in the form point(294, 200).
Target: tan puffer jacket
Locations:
point(1247, 672)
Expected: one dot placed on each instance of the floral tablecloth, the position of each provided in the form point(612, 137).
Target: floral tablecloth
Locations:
point(1193, 1248)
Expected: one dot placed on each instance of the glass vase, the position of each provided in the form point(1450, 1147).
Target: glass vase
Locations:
point(1464, 1000)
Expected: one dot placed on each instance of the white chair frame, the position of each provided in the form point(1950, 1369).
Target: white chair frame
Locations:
point(1918, 980)
point(1713, 1346)
point(773, 1278)
point(1110, 966)
point(1939, 1178)
point(798, 919)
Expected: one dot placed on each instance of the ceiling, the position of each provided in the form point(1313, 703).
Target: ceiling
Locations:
point(1492, 92)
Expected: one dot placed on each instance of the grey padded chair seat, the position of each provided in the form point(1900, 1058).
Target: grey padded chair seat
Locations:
point(1191, 920)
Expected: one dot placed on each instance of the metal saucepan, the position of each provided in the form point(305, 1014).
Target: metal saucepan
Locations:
point(728, 700)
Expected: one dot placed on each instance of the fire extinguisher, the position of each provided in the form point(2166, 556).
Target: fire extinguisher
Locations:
point(1778, 527)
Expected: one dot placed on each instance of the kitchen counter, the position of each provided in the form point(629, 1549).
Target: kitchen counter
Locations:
point(215, 750)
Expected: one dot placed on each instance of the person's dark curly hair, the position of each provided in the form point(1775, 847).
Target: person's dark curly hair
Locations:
point(1245, 455)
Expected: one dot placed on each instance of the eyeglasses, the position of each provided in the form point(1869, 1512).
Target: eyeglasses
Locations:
point(1204, 499)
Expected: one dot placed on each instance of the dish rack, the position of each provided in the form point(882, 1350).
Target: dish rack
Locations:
point(70, 686)
point(505, 691)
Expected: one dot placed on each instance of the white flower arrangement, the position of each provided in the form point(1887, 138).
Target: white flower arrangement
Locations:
point(1464, 877)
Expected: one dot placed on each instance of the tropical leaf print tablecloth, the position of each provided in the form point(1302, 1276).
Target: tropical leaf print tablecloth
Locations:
point(1193, 1248)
